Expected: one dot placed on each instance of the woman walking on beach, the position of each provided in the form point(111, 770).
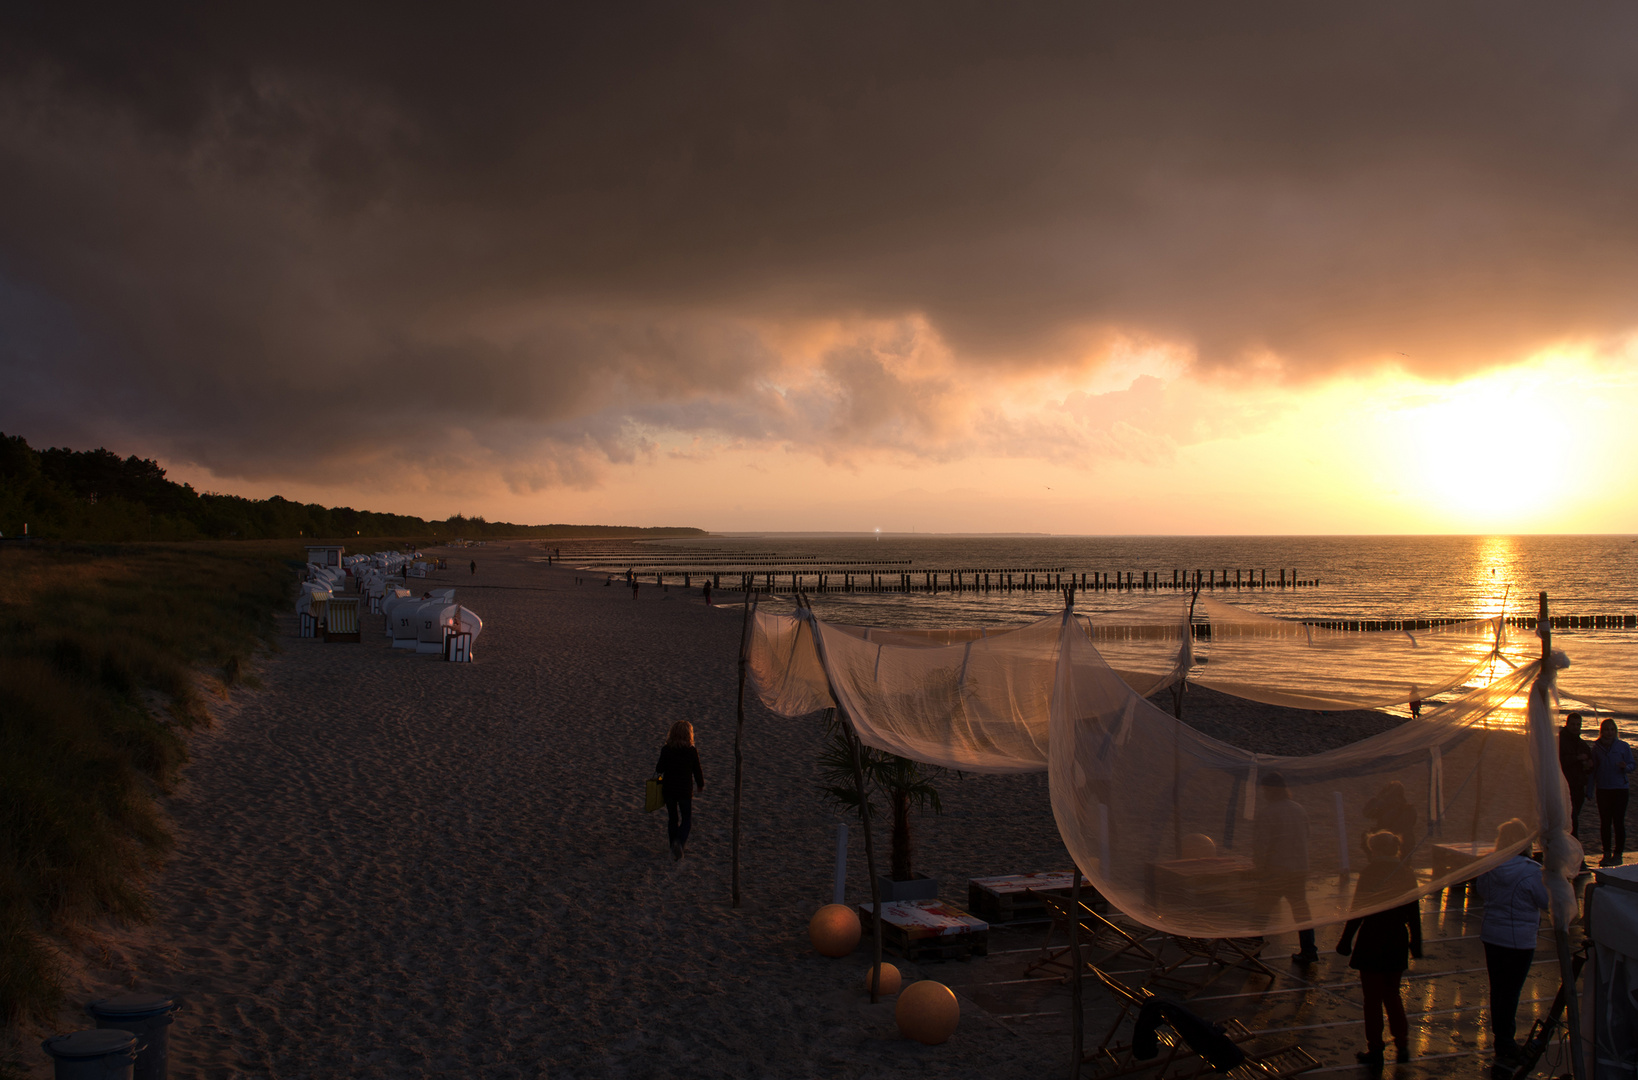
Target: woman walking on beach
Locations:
point(679, 771)
point(1613, 761)
point(1382, 944)
point(1514, 898)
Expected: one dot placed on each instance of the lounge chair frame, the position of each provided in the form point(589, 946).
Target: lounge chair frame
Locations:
point(1102, 937)
point(1176, 1060)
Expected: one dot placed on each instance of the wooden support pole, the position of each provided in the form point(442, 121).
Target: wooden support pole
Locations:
point(1077, 1019)
point(739, 732)
point(1561, 931)
point(864, 812)
point(870, 863)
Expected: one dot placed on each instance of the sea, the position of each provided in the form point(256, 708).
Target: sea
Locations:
point(1357, 577)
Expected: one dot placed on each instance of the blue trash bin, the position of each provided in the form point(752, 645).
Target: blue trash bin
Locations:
point(148, 1017)
point(99, 1054)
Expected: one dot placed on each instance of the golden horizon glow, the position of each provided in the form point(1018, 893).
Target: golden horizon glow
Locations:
point(1132, 444)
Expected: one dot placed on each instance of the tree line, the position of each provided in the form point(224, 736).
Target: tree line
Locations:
point(65, 494)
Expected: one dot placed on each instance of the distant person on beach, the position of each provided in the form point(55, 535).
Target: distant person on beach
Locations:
point(1576, 759)
point(1612, 762)
point(1390, 810)
point(635, 585)
point(707, 591)
point(1514, 898)
point(679, 770)
point(1279, 851)
point(474, 566)
point(1416, 704)
point(1382, 945)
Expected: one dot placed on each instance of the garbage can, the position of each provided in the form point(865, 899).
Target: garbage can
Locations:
point(148, 1017)
point(100, 1054)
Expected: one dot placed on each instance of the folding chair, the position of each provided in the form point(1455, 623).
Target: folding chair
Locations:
point(1176, 1060)
point(1103, 937)
point(1110, 1058)
point(1221, 956)
point(1275, 1064)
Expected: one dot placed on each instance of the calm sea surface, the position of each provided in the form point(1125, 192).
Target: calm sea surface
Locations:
point(1361, 577)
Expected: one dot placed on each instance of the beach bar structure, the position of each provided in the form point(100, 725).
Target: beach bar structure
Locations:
point(1166, 823)
point(325, 554)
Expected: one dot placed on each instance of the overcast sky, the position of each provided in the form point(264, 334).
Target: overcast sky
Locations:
point(1077, 267)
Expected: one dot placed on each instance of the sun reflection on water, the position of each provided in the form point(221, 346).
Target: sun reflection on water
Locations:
point(1494, 575)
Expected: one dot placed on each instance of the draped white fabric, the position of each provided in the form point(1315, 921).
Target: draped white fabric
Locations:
point(1185, 833)
point(1188, 834)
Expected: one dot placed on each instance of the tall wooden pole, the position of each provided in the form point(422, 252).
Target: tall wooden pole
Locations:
point(1077, 1017)
point(864, 804)
point(739, 733)
point(1561, 929)
point(870, 860)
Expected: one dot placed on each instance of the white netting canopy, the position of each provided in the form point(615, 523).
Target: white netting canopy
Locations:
point(1179, 830)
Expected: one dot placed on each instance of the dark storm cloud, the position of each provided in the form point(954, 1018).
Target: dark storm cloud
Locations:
point(277, 241)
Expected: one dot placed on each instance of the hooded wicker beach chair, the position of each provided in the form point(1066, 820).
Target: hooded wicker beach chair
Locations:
point(341, 619)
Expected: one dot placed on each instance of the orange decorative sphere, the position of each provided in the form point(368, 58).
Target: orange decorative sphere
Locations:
point(927, 1012)
point(835, 930)
point(889, 983)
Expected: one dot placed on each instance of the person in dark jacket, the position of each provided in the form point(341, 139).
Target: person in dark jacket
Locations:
point(1392, 811)
point(1382, 944)
point(1576, 760)
point(1612, 761)
point(679, 770)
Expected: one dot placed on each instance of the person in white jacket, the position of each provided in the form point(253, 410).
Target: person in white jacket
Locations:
point(1514, 898)
point(1279, 851)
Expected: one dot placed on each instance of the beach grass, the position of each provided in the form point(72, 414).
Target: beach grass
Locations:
point(107, 656)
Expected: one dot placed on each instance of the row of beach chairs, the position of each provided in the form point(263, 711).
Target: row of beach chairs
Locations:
point(1179, 965)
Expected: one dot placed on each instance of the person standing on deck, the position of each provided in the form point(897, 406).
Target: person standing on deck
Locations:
point(1613, 761)
point(1386, 941)
point(1392, 811)
point(1279, 851)
point(1514, 898)
point(1577, 761)
point(679, 770)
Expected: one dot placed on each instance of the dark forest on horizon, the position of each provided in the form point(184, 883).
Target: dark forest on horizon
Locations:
point(64, 494)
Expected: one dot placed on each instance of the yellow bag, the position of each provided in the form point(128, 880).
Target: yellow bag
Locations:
point(652, 798)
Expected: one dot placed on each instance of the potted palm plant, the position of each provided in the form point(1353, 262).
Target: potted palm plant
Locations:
point(905, 785)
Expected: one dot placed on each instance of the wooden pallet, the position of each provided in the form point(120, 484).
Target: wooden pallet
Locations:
point(921, 930)
point(1017, 897)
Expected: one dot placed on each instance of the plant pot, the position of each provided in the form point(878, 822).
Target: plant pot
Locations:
point(919, 887)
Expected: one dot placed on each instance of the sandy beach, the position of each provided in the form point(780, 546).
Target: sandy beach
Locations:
point(387, 865)
point(391, 866)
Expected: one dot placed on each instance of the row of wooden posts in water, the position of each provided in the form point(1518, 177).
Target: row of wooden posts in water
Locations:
point(983, 581)
point(1521, 622)
point(957, 581)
